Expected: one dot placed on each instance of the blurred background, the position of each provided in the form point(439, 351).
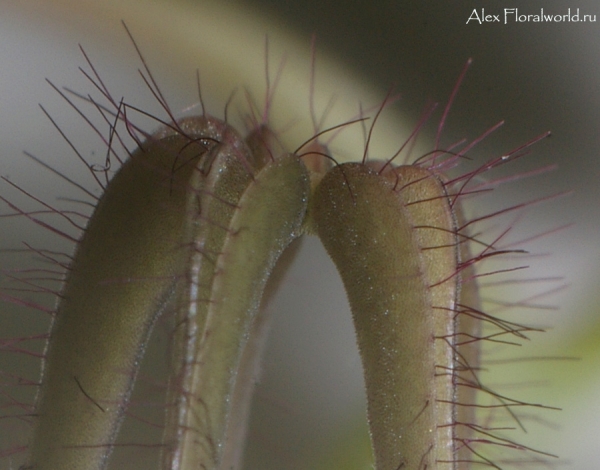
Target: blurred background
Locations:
point(308, 410)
